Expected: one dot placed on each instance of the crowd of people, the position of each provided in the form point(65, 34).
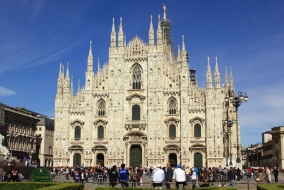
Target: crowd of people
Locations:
point(162, 176)
point(262, 174)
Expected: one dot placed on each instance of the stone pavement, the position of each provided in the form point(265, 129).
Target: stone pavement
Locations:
point(244, 184)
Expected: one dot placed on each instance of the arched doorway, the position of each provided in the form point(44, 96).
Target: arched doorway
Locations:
point(197, 160)
point(77, 160)
point(100, 159)
point(173, 159)
point(135, 156)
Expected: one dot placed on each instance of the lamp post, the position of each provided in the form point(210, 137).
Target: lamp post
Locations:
point(229, 124)
point(12, 135)
point(236, 101)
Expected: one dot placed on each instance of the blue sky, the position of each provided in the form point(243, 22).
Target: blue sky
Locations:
point(246, 35)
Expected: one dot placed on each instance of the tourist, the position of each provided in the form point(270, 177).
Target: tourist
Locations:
point(187, 174)
point(169, 176)
point(268, 176)
point(194, 178)
point(113, 176)
point(158, 177)
point(13, 174)
point(259, 176)
point(232, 176)
point(275, 173)
point(123, 176)
point(133, 177)
point(179, 176)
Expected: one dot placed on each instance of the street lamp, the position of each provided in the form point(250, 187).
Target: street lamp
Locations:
point(229, 124)
point(12, 135)
point(236, 101)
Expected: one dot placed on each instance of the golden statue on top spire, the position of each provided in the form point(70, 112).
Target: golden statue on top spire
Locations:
point(165, 8)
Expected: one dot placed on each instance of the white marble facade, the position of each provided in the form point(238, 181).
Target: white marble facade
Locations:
point(142, 97)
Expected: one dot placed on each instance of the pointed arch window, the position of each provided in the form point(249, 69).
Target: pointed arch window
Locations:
point(172, 106)
point(172, 131)
point(197, 130)
point(101, 108)
point(136, 77)
point(100, 132)
point(136, 112)
point(77, 132)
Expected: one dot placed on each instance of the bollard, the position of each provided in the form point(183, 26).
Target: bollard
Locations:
point(248, 184)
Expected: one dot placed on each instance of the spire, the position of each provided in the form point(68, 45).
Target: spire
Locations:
point(120, 34)
point(72, 90)
point(98, 65)
point(178, 51)
point(216, 75)
point(90, 58)
point(165, 10)
point(183, 46)
point(78, 85)
point(113, 35)
point(159, 32)
point(231, 78)
point(67, 71)
point(226, 78)
point(151, 33)
point(208, 75)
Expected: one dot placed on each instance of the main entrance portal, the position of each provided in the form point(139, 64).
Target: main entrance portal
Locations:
point(135, 156)
point(173, 159)
point(197, 160)
point(100, 159)
point(77, 160)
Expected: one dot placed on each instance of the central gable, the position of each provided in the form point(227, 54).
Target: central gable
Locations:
point(136, 49)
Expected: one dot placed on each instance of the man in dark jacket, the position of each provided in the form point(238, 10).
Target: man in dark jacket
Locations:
point(275, 173)
point(232, 176)
point(169, 176)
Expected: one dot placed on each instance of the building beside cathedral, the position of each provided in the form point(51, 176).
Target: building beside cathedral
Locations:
point(144, 107)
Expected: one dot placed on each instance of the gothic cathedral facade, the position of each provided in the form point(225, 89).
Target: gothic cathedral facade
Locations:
point(144, 107)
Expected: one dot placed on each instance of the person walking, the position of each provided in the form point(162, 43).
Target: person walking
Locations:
point(179, 176)
point(158, 177)
point(232, 176)
point(268, 176)
point(123, 176)
point(275, 173)
point(169, 176)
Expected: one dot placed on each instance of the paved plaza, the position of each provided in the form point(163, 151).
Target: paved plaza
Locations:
point(146, 183)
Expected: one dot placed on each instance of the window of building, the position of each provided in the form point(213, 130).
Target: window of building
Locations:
point(172, 131)
point(197, 130)
point(50, 150)
point(100, 132)
point(136, 77)
point(39, 128)
point(77, 132)
point(172, 106)
point(101, 108)
point(136, 112)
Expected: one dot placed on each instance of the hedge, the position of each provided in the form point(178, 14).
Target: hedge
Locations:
point(134, 188)
point(274, 186)
point(41, 186)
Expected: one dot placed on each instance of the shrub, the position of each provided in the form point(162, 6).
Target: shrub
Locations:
point(270, 186)
point(204, 188)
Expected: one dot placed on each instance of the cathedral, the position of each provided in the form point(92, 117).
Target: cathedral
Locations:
point(144, 107)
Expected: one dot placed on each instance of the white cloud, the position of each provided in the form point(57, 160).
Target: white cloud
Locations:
point(6, 92)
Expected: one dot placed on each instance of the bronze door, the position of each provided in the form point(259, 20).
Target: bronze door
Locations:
point(135, 156)
point(77, 160)
point(198, 160)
